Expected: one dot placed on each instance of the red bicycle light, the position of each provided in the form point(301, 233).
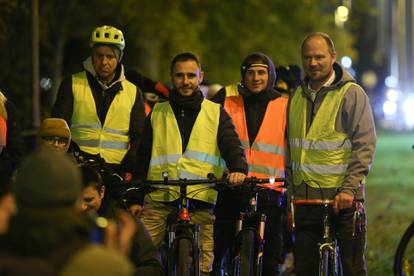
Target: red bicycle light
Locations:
point(184, 214)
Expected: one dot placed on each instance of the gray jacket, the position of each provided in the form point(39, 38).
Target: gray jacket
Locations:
point(356, 120)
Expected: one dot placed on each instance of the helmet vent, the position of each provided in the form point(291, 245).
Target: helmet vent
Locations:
point(106, 35)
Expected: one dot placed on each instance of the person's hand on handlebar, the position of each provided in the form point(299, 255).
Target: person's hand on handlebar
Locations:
point(236, 178)
point(342, 201)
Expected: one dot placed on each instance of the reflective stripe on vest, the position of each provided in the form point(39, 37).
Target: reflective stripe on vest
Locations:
point(266, 156)
point(201, 156)
point(320, 157)
point(111, 140)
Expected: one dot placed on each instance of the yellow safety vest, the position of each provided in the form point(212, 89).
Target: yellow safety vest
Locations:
point(202, 155)
point(111, 140)
point(319, 157)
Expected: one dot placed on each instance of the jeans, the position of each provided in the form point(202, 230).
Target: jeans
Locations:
point(154, 217)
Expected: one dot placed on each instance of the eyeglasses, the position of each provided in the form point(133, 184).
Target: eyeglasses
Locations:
point(53, 140)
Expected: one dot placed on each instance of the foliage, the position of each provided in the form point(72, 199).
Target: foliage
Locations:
point(220, 32)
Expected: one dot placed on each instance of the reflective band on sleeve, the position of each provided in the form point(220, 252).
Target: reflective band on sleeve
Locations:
point(320, 145)
point(245, 144)
point(164, 159)
point(268, 148)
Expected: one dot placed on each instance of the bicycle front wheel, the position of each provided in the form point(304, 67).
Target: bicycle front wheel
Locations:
point(404, 257)
point(247, 253)
point(184, 258)
point(324, 263)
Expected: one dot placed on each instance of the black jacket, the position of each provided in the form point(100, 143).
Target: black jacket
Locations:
point(143, 255)
point(186, 110)
point(255, 108)
point(63, 108)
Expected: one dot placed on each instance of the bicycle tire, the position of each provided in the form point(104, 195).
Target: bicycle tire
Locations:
point(247, 250)
point(324, 263)
point(184, 258)
point(404, 256)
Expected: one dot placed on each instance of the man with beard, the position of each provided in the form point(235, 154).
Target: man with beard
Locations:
point(332, 139)
point(188, 137)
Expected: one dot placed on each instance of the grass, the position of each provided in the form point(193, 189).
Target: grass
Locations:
point(389, 199)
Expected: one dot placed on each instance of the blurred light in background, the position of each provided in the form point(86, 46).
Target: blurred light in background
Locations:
point(389, 108)
point(408, 110)
point(391, 82)
point(346, 62)
point(369, 79)
point(398, 110)
point(341, 15)
point(46, 83)
point(392, 95)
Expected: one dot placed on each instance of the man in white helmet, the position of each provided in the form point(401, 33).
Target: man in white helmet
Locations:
point(105, 111)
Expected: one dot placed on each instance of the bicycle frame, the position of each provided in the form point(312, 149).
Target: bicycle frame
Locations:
point(183, 228)
point(250, 224)
point(329, 263)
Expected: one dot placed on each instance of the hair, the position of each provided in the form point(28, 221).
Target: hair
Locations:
point(3, 110)
point(325, 37)
point(250, 59)
point(184, 57)
point(91, 177)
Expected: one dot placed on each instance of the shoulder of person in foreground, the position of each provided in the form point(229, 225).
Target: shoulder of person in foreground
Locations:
point(98, 260)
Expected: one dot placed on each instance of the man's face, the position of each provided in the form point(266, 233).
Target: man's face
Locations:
point(256, 79)
point(55, 143)
point(186, 77)
point(317, 60)
point(104, 62)
point(91, 198)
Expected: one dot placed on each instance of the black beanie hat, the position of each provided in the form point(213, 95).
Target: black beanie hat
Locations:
point(253, 58)
point(47, 179)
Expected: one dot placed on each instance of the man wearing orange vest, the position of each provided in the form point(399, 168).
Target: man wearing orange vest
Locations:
point(259, 114)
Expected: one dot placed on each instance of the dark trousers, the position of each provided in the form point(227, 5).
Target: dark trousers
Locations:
point(308, 234)
point(225, 227)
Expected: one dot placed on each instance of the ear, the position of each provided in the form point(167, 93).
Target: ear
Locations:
point(201, 77)
point(333, 57)
point(102, 192)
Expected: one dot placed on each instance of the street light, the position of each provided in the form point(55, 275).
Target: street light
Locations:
point(341, 15)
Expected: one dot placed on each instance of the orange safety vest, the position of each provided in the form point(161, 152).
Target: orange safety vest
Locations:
point(147, 108)
point(266, 157)
point(3, 132)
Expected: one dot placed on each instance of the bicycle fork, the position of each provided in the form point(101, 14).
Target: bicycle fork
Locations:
point(246, 222)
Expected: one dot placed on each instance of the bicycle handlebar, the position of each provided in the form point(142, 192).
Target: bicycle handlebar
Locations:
point(248, 181)
point(312, 201)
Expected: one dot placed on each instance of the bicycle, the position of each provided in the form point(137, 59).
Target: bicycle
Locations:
point(183, 242)
point(403, 259)
point(183, 236)
point(247, 255)
point(329, 254)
